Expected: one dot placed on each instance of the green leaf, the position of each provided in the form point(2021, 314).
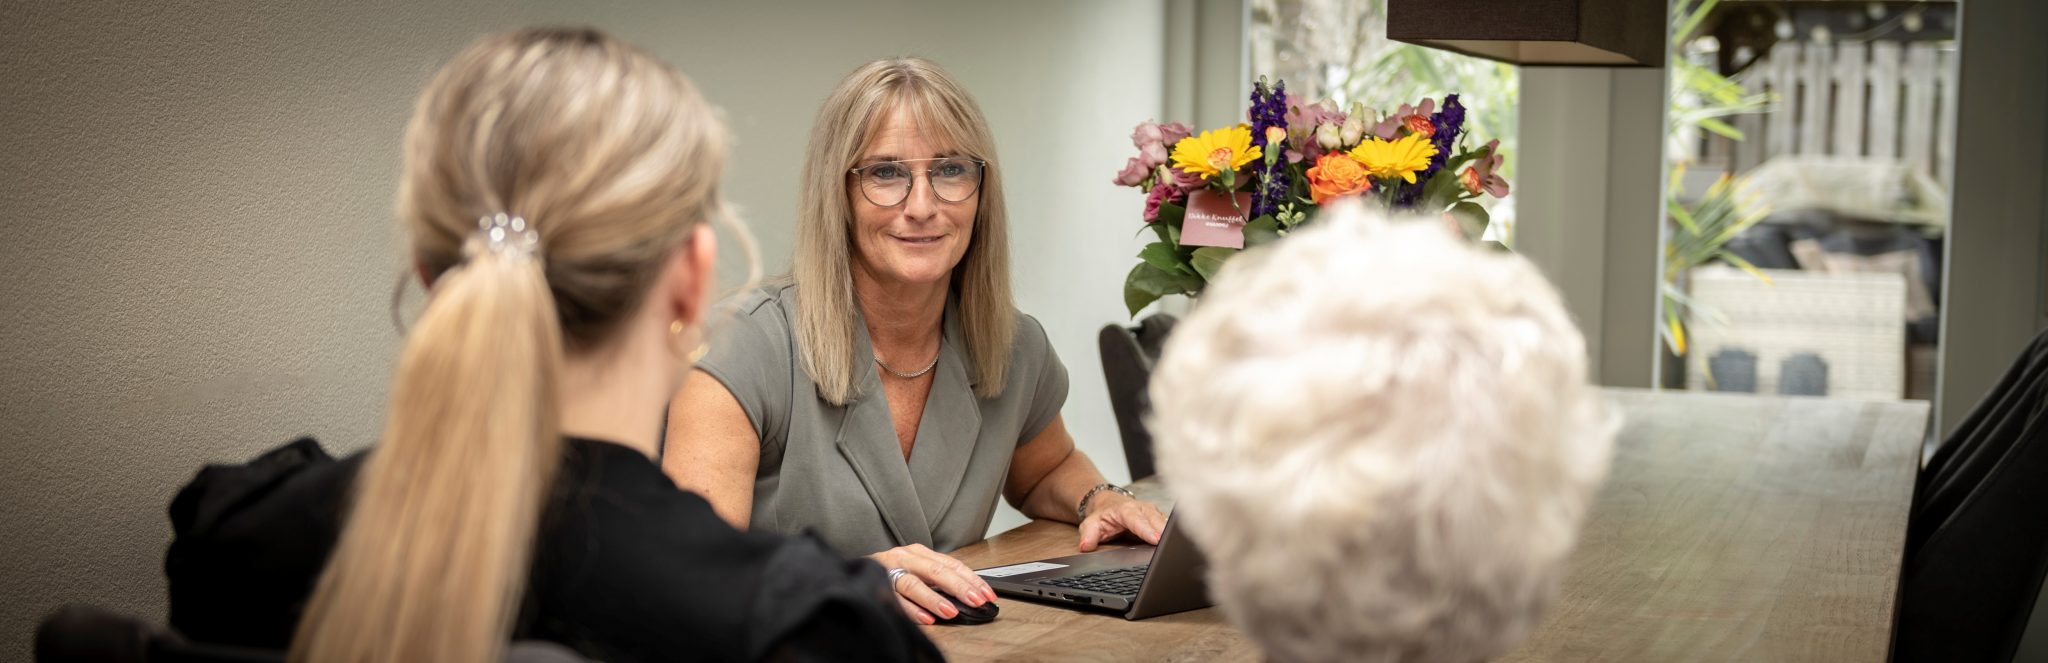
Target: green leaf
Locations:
point(1147, 283)
point(1162, 256)
point(1673, 332)
point(1684, 218)
point(1719, 127)
point(1693, 19)
point(1455, 162)
point(1260, 231)
point(1440, 190)
point(1170, 216)
point(1745, 266)
point(1209, 260)
point(1136, 295)
point(1472, 219)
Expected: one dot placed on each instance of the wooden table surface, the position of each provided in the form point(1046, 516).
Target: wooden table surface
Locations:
point(1731, 528)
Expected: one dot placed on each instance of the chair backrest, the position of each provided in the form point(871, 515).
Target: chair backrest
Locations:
point(537, 651)
point(1976, 551)
point(84, 634)
point(89, 634)
point(1128, 354)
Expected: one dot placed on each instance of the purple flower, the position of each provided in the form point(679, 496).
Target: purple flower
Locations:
point(1449, 122)
point(1269, 109)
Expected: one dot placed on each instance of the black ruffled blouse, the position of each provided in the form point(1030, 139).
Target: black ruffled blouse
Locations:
point(627, 566)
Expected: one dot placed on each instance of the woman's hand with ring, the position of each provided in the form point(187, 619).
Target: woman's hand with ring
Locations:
point(924, 573)
point(1115, 513)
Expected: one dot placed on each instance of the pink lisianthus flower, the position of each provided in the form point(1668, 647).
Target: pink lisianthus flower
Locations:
point(1133, 174)
point(1155, 141)
point(1146, 133)
point(1174, 132)
point(1153, 155)
point(1162, 193)
point(1172, 186)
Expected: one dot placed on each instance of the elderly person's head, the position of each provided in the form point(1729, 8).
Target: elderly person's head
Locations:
point(901, 190)
point(1385, 442)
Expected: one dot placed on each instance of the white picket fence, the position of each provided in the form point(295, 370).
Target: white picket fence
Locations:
point(1881, 99)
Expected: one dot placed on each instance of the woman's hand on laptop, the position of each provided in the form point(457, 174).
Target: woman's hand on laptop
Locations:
point(1115, 513)
point(925, 573)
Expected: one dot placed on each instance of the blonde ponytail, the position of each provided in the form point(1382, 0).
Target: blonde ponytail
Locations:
point(443, 521)
point(613, 158)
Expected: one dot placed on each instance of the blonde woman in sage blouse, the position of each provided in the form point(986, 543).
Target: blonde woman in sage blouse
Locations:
point(887, 390)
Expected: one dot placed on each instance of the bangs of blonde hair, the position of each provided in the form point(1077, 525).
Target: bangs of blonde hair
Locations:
point(822, 266)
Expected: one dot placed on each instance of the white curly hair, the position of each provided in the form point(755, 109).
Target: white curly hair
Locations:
point(1385, 441)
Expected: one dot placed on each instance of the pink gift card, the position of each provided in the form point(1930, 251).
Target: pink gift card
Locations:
point(1212, 220)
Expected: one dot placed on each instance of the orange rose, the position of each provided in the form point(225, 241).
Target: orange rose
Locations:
point(1336, 175)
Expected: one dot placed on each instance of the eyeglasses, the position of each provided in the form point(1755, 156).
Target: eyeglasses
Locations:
point(888, 183)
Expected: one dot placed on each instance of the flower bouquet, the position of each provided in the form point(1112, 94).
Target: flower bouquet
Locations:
point(1210, 195)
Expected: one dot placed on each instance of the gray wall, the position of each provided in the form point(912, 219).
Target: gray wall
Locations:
point(1588, 206)
point(1994, 290)
point(198, 246)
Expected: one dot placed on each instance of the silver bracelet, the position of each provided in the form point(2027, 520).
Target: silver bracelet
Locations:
point(1083, 508)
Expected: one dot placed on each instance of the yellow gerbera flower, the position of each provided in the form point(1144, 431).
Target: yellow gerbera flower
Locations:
point(1401, 158)
point(1213, 152)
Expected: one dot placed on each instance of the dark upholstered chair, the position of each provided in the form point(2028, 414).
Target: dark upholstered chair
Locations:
point(1976, 545)
point(86, 634)
point(1127, 357)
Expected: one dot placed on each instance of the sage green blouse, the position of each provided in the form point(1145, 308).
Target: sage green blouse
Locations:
point(839, 471)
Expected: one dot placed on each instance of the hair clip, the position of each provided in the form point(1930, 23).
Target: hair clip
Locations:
point(508, 235)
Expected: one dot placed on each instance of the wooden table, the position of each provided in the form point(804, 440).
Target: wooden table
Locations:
point(1026, 631)
point(1731, 528)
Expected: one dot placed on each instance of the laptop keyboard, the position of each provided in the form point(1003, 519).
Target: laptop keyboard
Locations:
point(1120, 582)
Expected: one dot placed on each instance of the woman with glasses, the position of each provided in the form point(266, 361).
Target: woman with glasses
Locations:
point(886, 390)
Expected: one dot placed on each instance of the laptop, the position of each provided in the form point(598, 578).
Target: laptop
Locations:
point(1139, 581)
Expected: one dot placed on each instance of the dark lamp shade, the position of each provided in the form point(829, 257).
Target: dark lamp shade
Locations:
point(1556, 33)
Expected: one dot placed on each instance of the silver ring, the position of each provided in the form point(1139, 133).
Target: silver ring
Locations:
point(896, 574)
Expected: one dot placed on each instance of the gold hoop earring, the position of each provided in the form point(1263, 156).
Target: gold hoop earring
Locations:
point(698, 354)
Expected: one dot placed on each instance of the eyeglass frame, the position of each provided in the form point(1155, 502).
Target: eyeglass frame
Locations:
point(980, 178)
